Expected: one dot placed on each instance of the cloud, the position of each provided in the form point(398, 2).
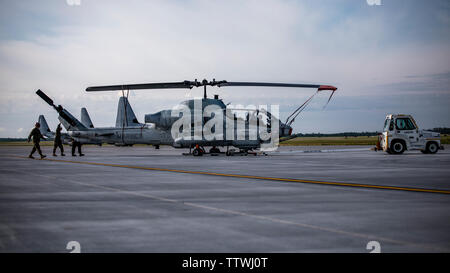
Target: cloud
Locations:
point(365, 51)
point(424, 84)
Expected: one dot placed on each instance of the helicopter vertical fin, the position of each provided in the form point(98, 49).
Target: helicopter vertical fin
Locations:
point(45, 130)
point(85, 119)
point(125, 115)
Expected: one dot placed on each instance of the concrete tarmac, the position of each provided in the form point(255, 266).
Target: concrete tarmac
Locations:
point(134, 199)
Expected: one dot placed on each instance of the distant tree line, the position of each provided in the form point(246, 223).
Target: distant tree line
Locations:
point(442, 130)
point(11, 139)
point(344, 134)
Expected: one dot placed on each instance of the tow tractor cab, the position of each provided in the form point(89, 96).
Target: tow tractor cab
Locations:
point(401, 133)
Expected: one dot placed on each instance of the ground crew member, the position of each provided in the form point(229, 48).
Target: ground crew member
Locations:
point(36, 134)
point(58, 142)
point(76, 144)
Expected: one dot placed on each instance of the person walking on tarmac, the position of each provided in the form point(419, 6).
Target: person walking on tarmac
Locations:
point(36, 134)
point(58, 142)
point(76, 144)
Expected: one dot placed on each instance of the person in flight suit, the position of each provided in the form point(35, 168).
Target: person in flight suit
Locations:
point(36, 134)
point(76, 144)
point(58, 142)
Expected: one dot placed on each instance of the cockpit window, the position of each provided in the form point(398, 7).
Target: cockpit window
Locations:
point(386, 124)
point(404, 124)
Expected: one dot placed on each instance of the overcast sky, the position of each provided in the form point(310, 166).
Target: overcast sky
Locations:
point(392, 58)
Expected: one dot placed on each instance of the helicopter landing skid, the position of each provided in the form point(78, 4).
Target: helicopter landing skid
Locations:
point(211, 154)
point(229, 152)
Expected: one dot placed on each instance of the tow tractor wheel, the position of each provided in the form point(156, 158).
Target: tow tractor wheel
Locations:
point(197, 152)
point(397, 147)
point(432, 148)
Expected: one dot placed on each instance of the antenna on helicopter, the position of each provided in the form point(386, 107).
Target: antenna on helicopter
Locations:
point(204, 82)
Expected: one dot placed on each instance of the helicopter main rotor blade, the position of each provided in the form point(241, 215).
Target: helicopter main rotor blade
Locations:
point(190, 84)
point(45, 97)
point(272, 84)
point(161, 85)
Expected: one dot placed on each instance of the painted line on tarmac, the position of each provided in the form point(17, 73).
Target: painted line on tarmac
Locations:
point(342, 184)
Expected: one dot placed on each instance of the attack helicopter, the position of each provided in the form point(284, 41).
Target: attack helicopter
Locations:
point(128, 129)
point(237, 130)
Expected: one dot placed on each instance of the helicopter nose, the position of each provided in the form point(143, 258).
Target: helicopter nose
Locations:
point(285, 130)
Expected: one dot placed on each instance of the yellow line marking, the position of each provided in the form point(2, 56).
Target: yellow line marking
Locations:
point(257, 177)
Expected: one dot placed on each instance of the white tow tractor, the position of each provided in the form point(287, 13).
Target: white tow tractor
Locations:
point(401, 133)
